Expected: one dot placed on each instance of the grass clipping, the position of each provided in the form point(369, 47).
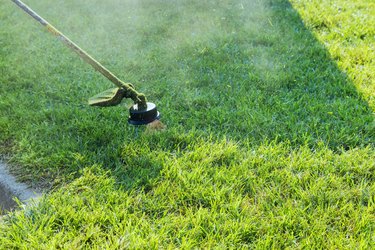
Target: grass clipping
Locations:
point(155, 126)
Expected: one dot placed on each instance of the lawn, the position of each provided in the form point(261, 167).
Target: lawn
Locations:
point(269, 107)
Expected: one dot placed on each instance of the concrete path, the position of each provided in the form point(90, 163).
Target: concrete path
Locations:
point(9, 188)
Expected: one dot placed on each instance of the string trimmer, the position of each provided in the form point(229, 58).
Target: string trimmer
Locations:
point(142, 112)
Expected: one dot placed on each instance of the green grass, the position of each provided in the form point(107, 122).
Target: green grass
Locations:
point(270, 115)
point(213, 195)
point(346, 29)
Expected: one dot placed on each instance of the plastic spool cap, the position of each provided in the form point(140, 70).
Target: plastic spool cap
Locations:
point(144, 116)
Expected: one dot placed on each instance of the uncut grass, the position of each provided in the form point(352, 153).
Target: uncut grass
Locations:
point(249, 72)
point(246, 72)
point(346, 29)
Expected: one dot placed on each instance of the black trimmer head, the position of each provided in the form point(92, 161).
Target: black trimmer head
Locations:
point(113, 97)
point(144, 116)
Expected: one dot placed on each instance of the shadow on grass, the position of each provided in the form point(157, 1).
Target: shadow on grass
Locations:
point(249, 72)
point(254, 74)
point(269, 82)
point(274, 81)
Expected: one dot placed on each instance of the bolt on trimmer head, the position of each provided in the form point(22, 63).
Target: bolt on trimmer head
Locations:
point(143, 116)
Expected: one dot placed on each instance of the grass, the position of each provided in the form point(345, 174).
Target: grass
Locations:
point(270, 139)
point(213, 195)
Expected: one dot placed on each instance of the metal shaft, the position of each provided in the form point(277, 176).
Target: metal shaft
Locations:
point(134, 95)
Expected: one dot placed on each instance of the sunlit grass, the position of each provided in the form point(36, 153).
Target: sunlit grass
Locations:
point(346, 29)
point(269, 142)
point(211, 195)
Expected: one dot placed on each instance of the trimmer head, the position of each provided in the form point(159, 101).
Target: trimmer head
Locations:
point(113, 97)
point(144, 116)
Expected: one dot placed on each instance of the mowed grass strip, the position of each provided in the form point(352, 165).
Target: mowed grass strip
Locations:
point(269, 143)
point(212, 195)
